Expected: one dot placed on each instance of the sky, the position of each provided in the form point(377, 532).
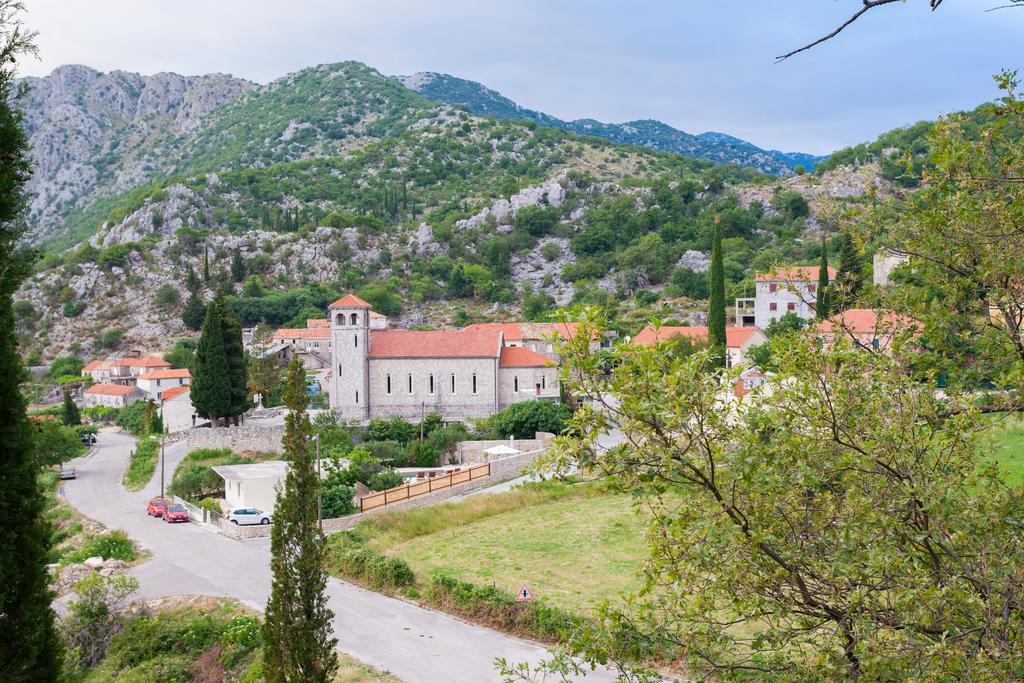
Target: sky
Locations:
point(698, 65)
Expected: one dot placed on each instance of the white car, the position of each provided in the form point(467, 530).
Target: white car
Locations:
point(244, 516)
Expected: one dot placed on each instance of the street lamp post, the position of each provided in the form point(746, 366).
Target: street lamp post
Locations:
point(163, 430)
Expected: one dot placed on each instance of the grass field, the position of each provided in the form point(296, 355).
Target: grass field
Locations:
point(573, 550)
point(1009, 449)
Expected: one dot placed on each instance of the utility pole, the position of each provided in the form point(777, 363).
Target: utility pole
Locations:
point(163, 430)
point(423, 408)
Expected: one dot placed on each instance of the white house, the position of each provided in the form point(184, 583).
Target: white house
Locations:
point(781, 291)
point(378, 372)
point(738, 340)
point(122, 370)
point(254, 485)
point(112, 395)
point(178, 412)
point(155, 382)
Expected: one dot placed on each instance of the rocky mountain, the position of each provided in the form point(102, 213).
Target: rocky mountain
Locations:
point(481, 100)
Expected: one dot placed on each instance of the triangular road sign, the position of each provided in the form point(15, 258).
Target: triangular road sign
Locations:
point(524, 594)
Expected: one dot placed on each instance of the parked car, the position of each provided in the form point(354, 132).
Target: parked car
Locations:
point(243, 516)
point(175, 512)
point(67, 472)
point(89, 439)
point(156, 507)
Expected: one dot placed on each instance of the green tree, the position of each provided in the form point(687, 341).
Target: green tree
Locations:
point(192, 282)
point(524, 419)
point(238, 364)
point(237, 266)
point(846, 526)
point(823, 304)
point(211, 385)
point(194, 312)
point(30, 648)
point(716, 298)
point(70, 414)
point(66, 366)
point(206, 262)
point(264, 368)
point(849, 277)
point(297, 629)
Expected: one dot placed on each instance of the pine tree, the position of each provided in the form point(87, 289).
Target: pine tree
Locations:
point(194, 312)
point(192, 281)
point(234, 350)
point(849, 280)
point(298, 645)
point(716, 300)
point(30, 649)
point(211, 386)
point(237, 266)
point(823, 305)
point(71, 415)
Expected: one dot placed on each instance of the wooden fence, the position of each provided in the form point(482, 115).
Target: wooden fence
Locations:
point(421, 488)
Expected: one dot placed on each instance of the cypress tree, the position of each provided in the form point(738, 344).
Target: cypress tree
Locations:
point(30, 649)
point(234, 350)
point(237, 266)
point(823, 305)
point(194, 312)
point(716, 299)
point(192, 282)
point(206, 262)
point(849, 280)
point(211, 386)
point(71, 415)
point(298, 645)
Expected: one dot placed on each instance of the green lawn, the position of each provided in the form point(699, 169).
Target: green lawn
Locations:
point(573, 552)
point(1009, 449)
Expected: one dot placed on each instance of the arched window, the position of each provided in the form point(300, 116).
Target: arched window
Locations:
point(354, 318)
point(339, 319)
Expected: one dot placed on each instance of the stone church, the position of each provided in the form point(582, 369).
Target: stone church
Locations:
point(461, 374)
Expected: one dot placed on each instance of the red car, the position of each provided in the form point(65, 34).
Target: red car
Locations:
point(156, 507)
point(175, 512)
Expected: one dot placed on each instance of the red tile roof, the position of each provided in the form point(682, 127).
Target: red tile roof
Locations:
point(174, 392)
point(522, 357)
point(350, 301)
point(512, 331)
point(303, 333)
point(735, 337)
point(143, 362)
point(94, 365)
point(795, 274)
point(111, 389)
point(317, 323)
point(177, 373)
point(434, 344)
point(867, 321)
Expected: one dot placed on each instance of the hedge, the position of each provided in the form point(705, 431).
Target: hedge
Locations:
point(143, 464)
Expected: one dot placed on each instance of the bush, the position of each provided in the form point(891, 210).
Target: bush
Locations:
point(140, 418)
point(111, 339)
point(113, 546)
point(395, 429)
point(385, 479)
point(348, 556)
point(194, 479)
point(95, 617)
point(167, 297)
point(551, 251)
point(66, 365)
point(523, 420)
point(103, 414)
point(73, 309)
point(337, 500)
point(142, 465)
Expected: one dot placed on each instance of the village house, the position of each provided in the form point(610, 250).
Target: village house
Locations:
point(540, 337)
point(778, 292)
point(252, 485)
point(738, 340)
point(463, 374)
point(156, 382)
point(112, 395)
point(122, 370)
point(177, 410)
point(868, 328)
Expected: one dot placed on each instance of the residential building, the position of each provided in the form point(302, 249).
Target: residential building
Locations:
point(540, 337)
point(112, 395)
point(778, 292)
point(177, 410)
point(155, 382)
point(749, 379)
point(738, 340)
point(122, 370)
point(868, 328)
point(253, 485)
point(464, 374)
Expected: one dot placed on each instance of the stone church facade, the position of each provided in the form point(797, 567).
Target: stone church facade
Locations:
point(460, 374)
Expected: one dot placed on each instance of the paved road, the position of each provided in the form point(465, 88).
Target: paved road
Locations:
point(415, 644)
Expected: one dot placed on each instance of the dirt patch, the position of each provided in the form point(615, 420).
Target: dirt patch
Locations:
point(207, 668)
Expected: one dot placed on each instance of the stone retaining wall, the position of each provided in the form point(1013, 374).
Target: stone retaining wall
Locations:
point(247, 531)
point(502, 469)
point(258, 439)
point(472, 452)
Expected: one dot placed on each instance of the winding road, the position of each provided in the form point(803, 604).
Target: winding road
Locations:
point(413, 643)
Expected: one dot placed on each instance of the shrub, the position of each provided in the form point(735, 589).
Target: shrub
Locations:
point(195, 479)
point(111, 339)
point(66, 365)
point(395, 429)
point(337, 500)
point(113, 546)
point(103, 414)
point(385, 479)
point(523, 420)
point(142, 465)
point(551, 251)
point(167, 297)
point(73, 309)
point(351, 558)
point(95, 616)
point(140, 418)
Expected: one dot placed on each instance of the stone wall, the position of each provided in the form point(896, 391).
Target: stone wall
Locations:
point(259, 439)
point(247, 531)
point(502, 469)
point(472, 452)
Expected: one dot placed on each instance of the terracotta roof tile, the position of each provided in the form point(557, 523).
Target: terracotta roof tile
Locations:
point(177, 373)
point(434, 344)
point(350, 301)
point(317, 323)
point(521, 331)
point(174, 392)
point(303, 333)
point(735, 337)
point(143, 362)
point(94, 365)
point(867, 321)
point(522, 357)
point(111, 389)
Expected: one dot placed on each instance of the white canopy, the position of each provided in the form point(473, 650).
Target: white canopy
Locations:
point(501, 449)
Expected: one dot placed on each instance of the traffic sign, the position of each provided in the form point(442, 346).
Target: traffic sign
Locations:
point(524, 594)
